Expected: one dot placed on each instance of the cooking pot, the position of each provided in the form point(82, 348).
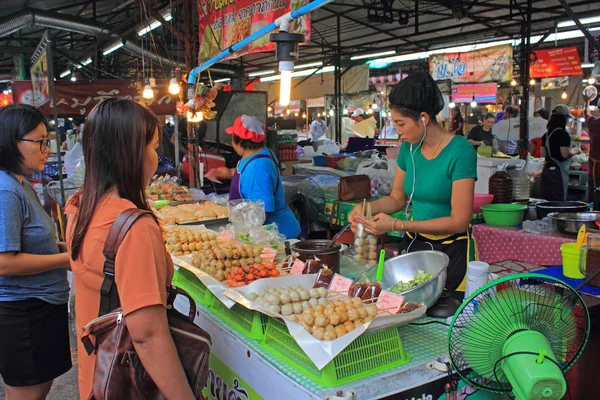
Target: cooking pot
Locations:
point(547, 207)
point(311, 249)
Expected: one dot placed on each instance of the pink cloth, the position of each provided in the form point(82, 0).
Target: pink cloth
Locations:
point(495, 245)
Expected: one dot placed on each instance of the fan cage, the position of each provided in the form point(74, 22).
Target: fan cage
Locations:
point(524, 301)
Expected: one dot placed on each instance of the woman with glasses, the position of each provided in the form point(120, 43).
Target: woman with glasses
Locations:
point(34, 331)
point(436, 175)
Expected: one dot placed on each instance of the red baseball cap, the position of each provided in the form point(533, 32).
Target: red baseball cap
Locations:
point(247, 127)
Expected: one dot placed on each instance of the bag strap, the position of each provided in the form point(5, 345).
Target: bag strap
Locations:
point(109, 296)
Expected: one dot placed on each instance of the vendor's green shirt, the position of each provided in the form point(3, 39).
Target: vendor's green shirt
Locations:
point(434, 178)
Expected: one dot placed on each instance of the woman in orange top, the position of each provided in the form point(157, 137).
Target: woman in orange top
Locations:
point(120, 139)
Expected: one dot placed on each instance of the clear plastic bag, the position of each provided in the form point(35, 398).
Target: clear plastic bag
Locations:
point(245, 215)
point(540, 227)
point(365, 247)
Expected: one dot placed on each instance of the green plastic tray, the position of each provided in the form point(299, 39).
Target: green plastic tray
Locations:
point(248, 322)
point(369, 354)
point(191, 284)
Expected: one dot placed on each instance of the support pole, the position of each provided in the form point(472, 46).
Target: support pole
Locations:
point(525, 63)
point(189, 62)
point(338, 84)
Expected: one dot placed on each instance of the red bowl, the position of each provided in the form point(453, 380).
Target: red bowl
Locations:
point(481, 200)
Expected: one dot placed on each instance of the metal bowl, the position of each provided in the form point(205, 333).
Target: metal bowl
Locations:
point(404, 267)
point(547, 207)
point(569, 223)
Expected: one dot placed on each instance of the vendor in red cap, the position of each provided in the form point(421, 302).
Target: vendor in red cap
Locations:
point(257, 174)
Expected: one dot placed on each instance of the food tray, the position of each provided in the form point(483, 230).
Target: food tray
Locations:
point(248, 322)
point(190, 283)
point(369, 354)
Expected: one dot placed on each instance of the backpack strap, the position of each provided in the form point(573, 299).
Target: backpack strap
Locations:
point(109, 296)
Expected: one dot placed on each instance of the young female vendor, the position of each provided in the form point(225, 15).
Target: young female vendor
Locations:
point(257, 174)
point(436, 173)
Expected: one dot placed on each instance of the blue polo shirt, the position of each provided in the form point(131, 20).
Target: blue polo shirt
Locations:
point(261, 181)
point(25, 227)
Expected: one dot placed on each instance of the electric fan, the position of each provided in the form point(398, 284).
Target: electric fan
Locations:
point(519, 335)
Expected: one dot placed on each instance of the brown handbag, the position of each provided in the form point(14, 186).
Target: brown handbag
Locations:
point(354, 187)
point(119, 373)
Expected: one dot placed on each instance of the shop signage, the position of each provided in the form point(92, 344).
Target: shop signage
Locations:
point(224, 384)
point(484, 93)
point(493, 64)
point(555, 83)
point(318, 102)
point(39, 81)
point(76, 98)
point(294, 107)
point(224, 23)
point(556, 62)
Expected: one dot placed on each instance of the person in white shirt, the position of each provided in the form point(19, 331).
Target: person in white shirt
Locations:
point(389, 130)
point(358, 115)
point(317, 128)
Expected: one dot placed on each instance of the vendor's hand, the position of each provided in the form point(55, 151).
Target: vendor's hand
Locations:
point(586, 98)
point(381, 224)
point(352, 217)
point(216, 174)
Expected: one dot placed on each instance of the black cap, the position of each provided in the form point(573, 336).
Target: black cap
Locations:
point(417, 92)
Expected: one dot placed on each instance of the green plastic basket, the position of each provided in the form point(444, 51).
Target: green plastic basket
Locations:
point(187, 281)
point(369, 354)
point(247, 322)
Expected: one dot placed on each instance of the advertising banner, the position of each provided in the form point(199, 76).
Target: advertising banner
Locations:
point(40, 81)
point(484, 93)
point(318, 102)
point(556, 62)
point(223, 23)
point(493, 64)
point(224, 384)
point(555, 83)
point(76, 98)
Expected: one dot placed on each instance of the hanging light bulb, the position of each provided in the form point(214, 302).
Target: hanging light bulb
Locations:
point(452, 104)
point(194, 117)
point(564, 94)
point(331, 113)
point(285, 83)
point(288, 112)
point(473, 102)
point(148, 93)
point(304, 115)
point(513, 83)
point(532, 82)
point(174, 86)
point(73, 78)
point(591, 80)
point(345, 112)
point(318, 114)
point(295, 114)
point(269, 109)
point(374, 106)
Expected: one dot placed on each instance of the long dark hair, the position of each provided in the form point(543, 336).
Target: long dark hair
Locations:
point(114, 138)
point(16, 121)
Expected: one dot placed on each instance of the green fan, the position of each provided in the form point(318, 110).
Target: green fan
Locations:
point(519, 335)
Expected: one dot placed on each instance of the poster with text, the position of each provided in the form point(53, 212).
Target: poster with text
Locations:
point(483, 93)
point(39, 81)
point(223, 23)
point(493, 64)
point(556, 62)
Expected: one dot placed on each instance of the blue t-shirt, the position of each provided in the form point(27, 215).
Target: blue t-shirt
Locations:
point(432, 197)
point(25, 227)
point(261, 181)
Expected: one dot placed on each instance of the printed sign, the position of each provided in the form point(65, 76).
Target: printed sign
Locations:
point(224, 384)
point(223, 23)
point(75, 98)
point(39, 81)
point(389, 302)
point(268, 255)
point(484, 93)
point(493, 64)
point(340, 284)
point(556, 62)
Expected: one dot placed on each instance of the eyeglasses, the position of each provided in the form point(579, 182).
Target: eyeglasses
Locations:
point(44, 143)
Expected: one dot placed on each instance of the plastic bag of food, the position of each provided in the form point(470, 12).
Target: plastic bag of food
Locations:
point(246, 214)
point(365, 247)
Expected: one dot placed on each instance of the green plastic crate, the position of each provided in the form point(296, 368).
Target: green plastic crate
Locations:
point(369, 354)
point(189, 282)
point(247, 322)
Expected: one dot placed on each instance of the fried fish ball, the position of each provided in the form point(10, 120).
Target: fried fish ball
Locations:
point(293, 318)
point(343, 316)
point(318, 333)
point(228, 264)
point(197, 236)
point(321, 320)
point(308, 328)
point(308, 319)
point(347, 301)
point(362, 312)
point(349, 325)
point(287, 309)
point(285, 298)
point(178, 253)
point(192, 246)
point(353, 314)
point(304, 295)
point(274, 308)
point(323, 292)
point(335, 319)
point(330, 334)
point(320, 308)
point(258, 260)
point(313, 302)
point(307, 310)
point(314, 293)
point(294, 296)
point(274, 299)
point(372, 310)
point(306, 306)
point(358, 323)
point(323, 301)
point(297, 308)
point(220, 276)
point(368, 319)
point(357, 303)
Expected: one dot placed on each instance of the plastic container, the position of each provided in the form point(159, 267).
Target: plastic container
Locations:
point(319, 161)
point(481, 199)
point(330, 161)
point(501, 186)
point(570, 260)
point(248, 322)
point(503, 215)
point(478, 275)
point(191, 284)
point(368, 355)
point(521, 184)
